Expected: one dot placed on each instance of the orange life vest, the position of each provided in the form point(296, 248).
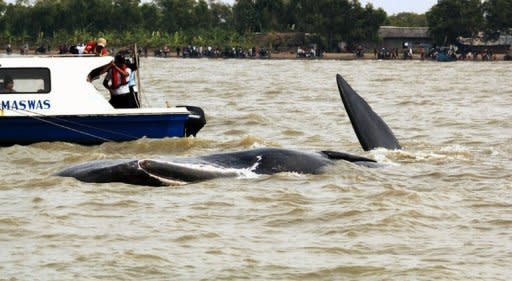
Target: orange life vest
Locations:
point(118, 78)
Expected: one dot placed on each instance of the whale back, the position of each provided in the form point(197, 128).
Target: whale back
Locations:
point(370, 129)
point(271, 160)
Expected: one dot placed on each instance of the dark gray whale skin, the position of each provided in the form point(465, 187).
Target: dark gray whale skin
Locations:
point(105, 171)
point(370, 129)
point(266, 161)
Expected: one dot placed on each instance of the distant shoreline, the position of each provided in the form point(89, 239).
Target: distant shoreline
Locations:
point(325, 56)
point(273, 56)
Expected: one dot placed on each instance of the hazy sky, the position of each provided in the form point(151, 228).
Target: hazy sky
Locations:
point(397, 6)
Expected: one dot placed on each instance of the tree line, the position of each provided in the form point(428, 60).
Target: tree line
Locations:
point(449, 19)
point(197, 22)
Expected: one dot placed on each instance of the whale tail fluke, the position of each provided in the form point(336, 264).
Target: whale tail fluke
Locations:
point(370, 129)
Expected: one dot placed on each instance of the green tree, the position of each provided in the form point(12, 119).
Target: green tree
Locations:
point(366, 23)
point(183, 21)
point(43, 18)
point(74, 20)
point(245, 16)
point(125, 15)
point(407, 20)
point(15, 16)
point(269, 13)
point(449, 19)
point(176, 14)
point(222, 15)
point(498, 14)
point(336, 20)
point(328, 18)
point(98, 16)
point(3, 6)
point(150, 16)
point(203, 18)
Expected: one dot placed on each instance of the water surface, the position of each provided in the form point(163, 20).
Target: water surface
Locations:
point(440, 209)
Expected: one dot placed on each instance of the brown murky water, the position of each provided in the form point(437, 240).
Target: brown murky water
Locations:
point(441, 208)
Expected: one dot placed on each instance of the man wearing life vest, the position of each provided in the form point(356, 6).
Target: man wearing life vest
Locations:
point(97, 48)
point(117, 82)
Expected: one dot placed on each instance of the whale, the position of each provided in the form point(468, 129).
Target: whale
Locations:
point(184, 170)
point(370, 129)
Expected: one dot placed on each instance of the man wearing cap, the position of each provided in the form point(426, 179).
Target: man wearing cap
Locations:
point(97, 48)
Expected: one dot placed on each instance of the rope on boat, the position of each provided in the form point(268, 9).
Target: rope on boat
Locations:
point(24, 112)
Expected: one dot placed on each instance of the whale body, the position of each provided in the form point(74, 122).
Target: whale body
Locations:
point(370, 129)
point(184, 170)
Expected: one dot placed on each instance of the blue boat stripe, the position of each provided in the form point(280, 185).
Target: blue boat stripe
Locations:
point(74, 123)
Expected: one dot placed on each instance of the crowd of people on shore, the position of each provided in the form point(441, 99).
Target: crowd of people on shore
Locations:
point(435, 53)
point(192, 51)
point(98, 47)
point(309, 52)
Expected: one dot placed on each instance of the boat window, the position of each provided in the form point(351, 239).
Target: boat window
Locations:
point(25, 80)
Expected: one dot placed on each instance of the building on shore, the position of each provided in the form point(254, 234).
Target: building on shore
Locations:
point(395, 37)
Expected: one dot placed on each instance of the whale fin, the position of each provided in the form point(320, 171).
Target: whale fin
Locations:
point(370, 129)
point(336, 155)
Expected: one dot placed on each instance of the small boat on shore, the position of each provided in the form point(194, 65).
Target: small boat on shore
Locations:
point(46, 99)
point(444, 54)
point(445, 57)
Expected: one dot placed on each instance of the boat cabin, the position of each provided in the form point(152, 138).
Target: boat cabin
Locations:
point(51, 99)
point(51, 85)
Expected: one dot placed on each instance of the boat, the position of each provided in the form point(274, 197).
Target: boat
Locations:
point(446, 54)
point(445, 57)
point(54, 101)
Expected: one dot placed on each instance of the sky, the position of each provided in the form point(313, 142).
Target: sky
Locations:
point(396, 6)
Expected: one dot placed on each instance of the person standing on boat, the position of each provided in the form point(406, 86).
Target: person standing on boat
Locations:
point(117, 82)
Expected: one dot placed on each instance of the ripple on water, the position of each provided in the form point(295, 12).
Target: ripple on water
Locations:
point(431, 206)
